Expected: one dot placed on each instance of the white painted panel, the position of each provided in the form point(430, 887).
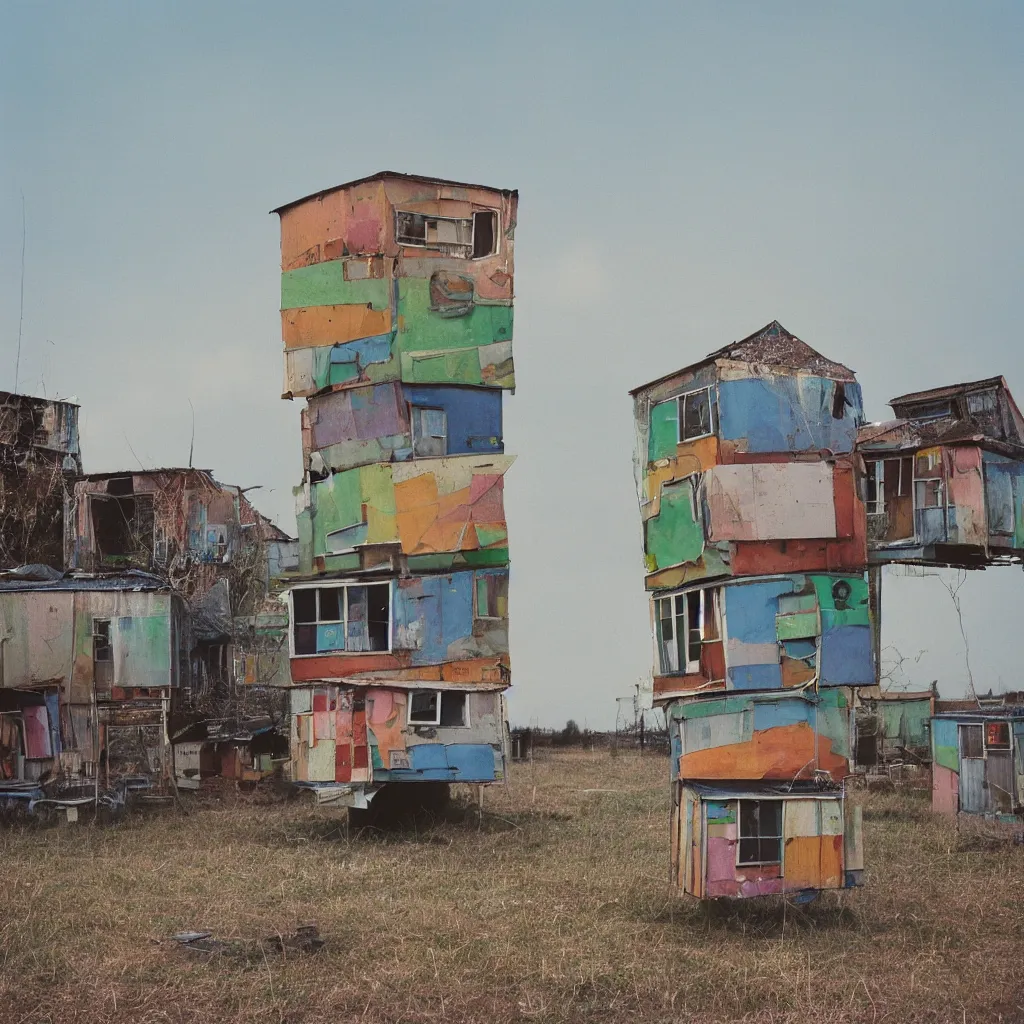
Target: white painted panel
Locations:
point(770, 501)
point(716, 730)
point(800, 818)
point(831, 818)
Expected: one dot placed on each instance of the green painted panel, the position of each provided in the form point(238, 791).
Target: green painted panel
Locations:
point(459, 367)
point(797, 626)
point(422, 330)
point(948, 757)
point(664, 431)
point(350, 562)
point(324, 284)
point(675, 535)
point(856, 611)
point(488, 535)
point(484, 558)
point(340, 373)
point(337, 503)
point(377, 488)
point(426, 563)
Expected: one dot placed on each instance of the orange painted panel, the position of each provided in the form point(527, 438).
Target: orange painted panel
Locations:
point(785, 752)
point(802, 865)
point(310, 326)
point(831, 862)
point(338, 666)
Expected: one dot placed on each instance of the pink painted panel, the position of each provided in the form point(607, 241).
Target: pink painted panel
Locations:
point(37, 731)
point(967, 490)
point(721, 859)
point(945, 790)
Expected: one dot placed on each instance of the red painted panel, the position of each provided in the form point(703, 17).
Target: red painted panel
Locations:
point(339, 666)
point(360, 751)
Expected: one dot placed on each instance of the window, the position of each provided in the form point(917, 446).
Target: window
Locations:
point(343, 618)
point(760, 832)
point(446, 708)
point(484, 234)
point(971, 741)
point(492, 596)
point(451, 235)
point(695, 419)
point(429, 431)
point(930, 411)
point(997, 735)
point(839, 401)
point(929, 494)
point(981, 401)
point(101, 649)
point(685, 621)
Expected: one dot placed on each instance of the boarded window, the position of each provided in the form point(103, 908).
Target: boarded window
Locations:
point(341, 618)
point(695, 418)
point(982, 401)
point(429, 432)
point(101, 649)
point(929, 494)
point(760, 832)
point(484, 233)
point(971, 744)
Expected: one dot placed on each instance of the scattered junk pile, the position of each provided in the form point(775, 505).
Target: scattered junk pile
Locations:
point(155, 661)
point(768, 508)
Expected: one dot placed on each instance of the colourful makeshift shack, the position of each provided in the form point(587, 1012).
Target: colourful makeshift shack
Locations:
point(396, 316)
point(978, 763)
point(755, 549)
point(944, 481)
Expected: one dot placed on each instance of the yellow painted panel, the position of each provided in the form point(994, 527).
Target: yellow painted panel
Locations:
point(310, 326)
point(801, 868)
point(831, 862)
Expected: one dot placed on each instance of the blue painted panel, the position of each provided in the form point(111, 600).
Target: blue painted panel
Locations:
point(431, 613)
point(471, 762)
point(788, 414)
point(944, 734)
point(846, 657)
point(756, 677)
point(750, 609)
point(349, 537)
point(376, 349)
point(330, 637)
point(770, 714)
point(53, 712)
point(803, 649)
point(474, 415)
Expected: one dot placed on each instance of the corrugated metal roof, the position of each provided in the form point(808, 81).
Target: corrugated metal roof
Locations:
point(381, 175)
point(129, 580)
point(772, 345)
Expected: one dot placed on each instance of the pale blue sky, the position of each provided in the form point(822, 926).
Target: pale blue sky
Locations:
point(688, 172)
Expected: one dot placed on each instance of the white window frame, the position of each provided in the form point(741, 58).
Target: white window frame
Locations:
point(497, 233)
point(878, 466)
point(681, 414)
point(688, 667)
point(339, 584)
point(467, 247)
point(436, 723)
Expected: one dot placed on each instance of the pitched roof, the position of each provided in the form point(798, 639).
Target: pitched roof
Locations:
point(772, 345)
point(381, 175)
point(949, 391)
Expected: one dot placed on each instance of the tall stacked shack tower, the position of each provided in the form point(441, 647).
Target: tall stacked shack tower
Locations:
point(396, 313)
point(755, 543)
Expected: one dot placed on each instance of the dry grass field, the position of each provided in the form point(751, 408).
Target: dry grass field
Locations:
point(552, 908)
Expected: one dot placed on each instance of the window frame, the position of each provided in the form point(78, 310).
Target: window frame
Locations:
point(436, 722)
point(760, 837)
point(477, 577)
point(468, 248)
point(681, 414)
point(705, 603)
point(472, 235)
point(108, 646)
point(331, 585)
point(416, 435)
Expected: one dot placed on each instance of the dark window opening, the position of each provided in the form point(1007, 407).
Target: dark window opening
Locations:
point(120, 485)
point(839, 401)
point(445, 708)
point(483, 234)
point(304, 604)
point(693, 611)
point(123, 527)
point(411, 228)
point(760, 832)
point(930, 411)
point(101, 649)
point(695, 415)
point(424, 707)
point(453, 709)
